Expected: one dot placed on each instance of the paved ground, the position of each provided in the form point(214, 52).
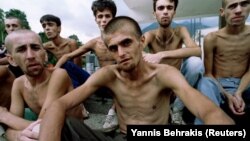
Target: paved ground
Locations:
point(98, 108)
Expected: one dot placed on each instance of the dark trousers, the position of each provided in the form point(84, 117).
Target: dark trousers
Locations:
point(76, 130)
point(77, 75)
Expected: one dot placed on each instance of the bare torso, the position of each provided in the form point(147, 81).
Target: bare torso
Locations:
point(34, 97)
point(102, 53)
point(39, 97)
point(231, 54)
point(154, 100)
point(172, 42)
point(6, 81)
point(59, 50)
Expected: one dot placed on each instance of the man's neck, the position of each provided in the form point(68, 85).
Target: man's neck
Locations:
point(136, 73)
point(164, 33)
point(39, 79)
point(234, 29)
point(57, 41)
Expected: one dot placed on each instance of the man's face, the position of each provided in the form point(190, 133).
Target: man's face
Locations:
point(236, 12)
point(164, 12)
point(27, 53)
point(12, 24)
point(125, 48)
point(51, 29)
point(102, 18)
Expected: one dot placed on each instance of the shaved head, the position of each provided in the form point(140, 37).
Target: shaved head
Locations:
point(10, 38)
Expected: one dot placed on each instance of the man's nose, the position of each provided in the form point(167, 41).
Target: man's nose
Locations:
point(121, 52)
point(30, 53)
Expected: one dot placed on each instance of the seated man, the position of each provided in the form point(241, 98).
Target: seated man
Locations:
point(8, 73)
point(104, 11)
point(142, 90)
point(227, 60)
point(59, 46)
point(38, 88)
point(166, 47)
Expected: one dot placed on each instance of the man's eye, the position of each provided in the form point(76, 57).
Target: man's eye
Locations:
point(160, 8)
point(100, 16)
point(244, 3)
point(126, 42)
point(112, 48)
point(20, 50)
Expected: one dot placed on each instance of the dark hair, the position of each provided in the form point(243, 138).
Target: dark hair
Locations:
point(120, 21)
point(15, 17)
point(175, 4)
point(52, 18)
point(100, 5)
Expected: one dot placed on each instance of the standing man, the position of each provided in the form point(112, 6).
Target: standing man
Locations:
point(166, 44)
point(104, 11)
point(38, 88)
point(142, 90)
point(227, 60)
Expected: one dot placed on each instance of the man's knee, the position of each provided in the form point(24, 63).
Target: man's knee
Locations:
point(208, 87)
point(193, 70)
point(194, 64)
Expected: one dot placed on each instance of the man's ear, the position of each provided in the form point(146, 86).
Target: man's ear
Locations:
point(11, 60)
point(222, 13)
point(154, 15)
point(143, 39)
point(59, 29)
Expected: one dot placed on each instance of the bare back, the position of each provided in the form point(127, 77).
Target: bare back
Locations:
point(173, 42)
point(231, 53)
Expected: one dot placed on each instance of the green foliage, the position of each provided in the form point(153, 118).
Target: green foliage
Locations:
point(43, 37)
point(79, 43)
point(11, 13)
point(2, 31)
point(19, 14)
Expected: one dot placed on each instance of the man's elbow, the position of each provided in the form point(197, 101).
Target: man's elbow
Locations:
point(218, 117)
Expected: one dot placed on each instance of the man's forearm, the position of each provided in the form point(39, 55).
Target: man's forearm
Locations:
point(52, 123)
point(244, 83)
point(181, 53)
point(14, 121)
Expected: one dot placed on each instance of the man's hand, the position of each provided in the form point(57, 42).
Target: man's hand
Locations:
point(236, 104)
point(27, 134)
point(152, 58)
point(3, 111)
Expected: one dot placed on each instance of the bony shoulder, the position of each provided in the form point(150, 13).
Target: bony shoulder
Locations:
point(49, 44)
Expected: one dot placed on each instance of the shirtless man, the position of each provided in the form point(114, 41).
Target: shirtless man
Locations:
point(104, 11)
point(8, 73)
point(10, 24)
point(37, 89)
point(166, 44)
point(59, 46)
point(141, 90)
point(227, 59)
